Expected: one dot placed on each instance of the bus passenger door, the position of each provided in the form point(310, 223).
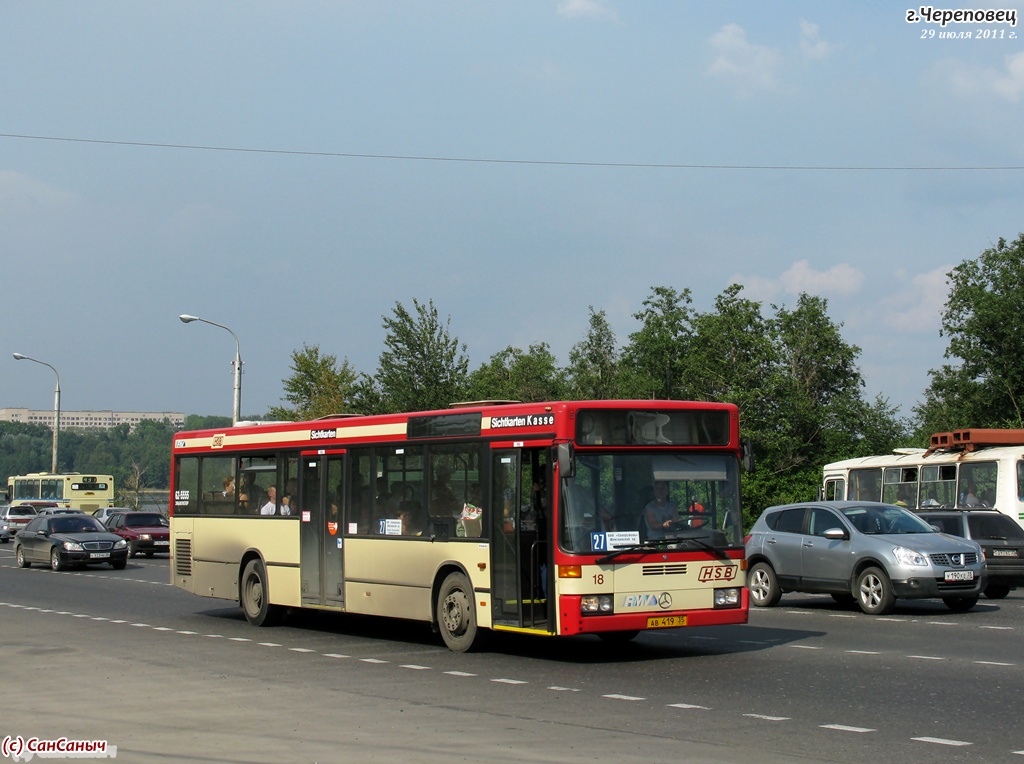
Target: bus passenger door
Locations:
point(518, 550)
point(322, 556)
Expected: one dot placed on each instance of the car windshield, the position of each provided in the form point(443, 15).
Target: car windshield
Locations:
point(144, 520)
point(66, 524)
point(882, 519)
point(995, 527)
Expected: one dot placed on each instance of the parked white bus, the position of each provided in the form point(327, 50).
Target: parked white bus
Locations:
point(960, 469)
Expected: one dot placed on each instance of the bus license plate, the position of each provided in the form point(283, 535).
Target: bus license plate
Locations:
point(1004, 552)
point(666, 621)
point(99, 555)
point(959, 575)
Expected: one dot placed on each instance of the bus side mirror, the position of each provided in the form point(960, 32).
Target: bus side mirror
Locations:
point(566, 460)
point(747, 451)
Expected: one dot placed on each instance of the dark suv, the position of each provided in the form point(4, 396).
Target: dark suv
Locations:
point(1001, 539)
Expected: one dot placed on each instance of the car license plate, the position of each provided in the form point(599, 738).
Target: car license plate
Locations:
point(959, 575)
point(162, 543)
point(1004, 553)
point(666, 621)
point(99, 555)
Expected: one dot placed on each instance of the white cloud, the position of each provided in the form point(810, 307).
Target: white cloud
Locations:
point(22, 192)
point(594, 9)
point(1006, 83)
point(811, 43)
point(841, 279)
point(917, 307)
point(751, 66)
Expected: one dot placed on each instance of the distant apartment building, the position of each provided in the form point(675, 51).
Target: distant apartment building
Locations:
point(91, 420)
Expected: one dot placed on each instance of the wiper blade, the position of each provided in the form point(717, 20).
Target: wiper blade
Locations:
point(643, 546)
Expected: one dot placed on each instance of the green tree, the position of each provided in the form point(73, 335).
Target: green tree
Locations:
point(511, 374)
point(422, 367)
point(593, 371)
point(317, 387)
point(653, 363)
point(983, 385)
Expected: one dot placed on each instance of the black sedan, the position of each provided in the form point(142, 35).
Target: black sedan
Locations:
point(65, 540)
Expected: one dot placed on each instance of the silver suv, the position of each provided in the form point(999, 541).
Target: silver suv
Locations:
point(860, 551)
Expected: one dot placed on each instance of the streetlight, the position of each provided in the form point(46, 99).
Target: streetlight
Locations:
point(237, 414)
point(56, 407)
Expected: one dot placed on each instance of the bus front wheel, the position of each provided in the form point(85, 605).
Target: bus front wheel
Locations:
point(456, 616)
point(254, 596)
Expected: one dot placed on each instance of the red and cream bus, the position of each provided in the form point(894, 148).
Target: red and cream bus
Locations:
point(494, 515)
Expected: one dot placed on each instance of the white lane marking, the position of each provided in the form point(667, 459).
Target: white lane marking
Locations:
point(459, 673)
point(335, 655)
point(768, 718)
point(509, 681)
point(940, 741)
point(997, 628)
point(239, 639)
point(688, 706)
point(994, 663)
point(301, 650)
point(414, 667)
point(563, 689)
point(926, 657)
point(373, 660)
point(864, 652)
point(617, 696)
point(843, 615)
point(846, 728)
point(269, 644)
point(804, 647)
point(940, 623)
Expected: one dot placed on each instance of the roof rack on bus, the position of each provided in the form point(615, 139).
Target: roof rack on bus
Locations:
point(468, 404)
point(969, 440)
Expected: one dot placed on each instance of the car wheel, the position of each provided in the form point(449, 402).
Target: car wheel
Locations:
point(960, 604)
point(456, 615)
point(149, 554)
point(19, 555)
point(764, 586)
point(996, 591)
point(874, 592)
point(119, 564)
point(254, 596)
point(55, 563)
point(131, 550)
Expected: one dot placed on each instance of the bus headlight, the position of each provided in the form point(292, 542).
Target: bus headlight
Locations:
point(591, 604)
point(727, 598)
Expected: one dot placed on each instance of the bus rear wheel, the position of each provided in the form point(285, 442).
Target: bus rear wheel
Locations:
point(456, 616)
point(254, 596)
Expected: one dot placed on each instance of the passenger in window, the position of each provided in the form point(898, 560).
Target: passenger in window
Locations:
point(229, 487)
point(270, 508)
point(970, 499)
point(696, 510)
point(286, 504)
point(471, 517)
point(442, 499)
point(411, 514)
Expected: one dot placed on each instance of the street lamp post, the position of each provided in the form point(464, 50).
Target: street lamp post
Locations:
point(237, 412)
point(56, 407)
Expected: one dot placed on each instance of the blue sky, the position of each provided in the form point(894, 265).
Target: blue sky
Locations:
point(515, 162)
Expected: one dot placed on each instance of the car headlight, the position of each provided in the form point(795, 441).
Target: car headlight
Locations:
point(592, 604)
point(145, 537)
point(120, 544)
point(906, 556)
point(72, 546)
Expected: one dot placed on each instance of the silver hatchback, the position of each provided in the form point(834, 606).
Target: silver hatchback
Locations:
point(861, 552)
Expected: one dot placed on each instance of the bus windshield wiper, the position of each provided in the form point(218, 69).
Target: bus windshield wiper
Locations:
point(643, 546)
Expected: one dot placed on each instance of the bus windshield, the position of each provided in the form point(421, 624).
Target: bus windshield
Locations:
point(618, 500)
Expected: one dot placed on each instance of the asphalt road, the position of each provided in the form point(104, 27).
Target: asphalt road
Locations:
point(124, 657)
